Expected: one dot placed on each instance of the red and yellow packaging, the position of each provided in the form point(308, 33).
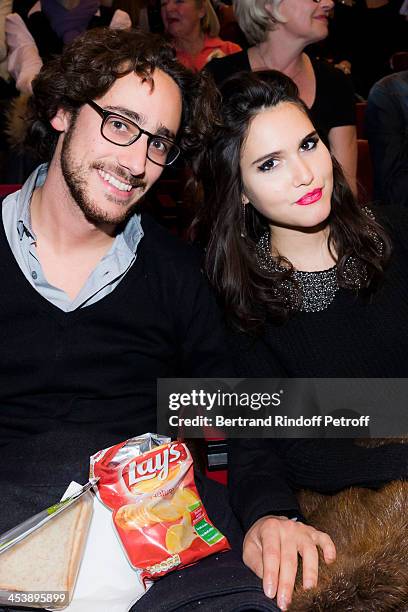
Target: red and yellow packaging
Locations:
point(156, 508)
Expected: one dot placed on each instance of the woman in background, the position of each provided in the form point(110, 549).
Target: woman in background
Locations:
point(279, 31)
point(311, 288)
point(194, 27)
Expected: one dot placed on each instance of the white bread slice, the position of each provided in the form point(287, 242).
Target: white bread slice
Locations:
point(49, 558)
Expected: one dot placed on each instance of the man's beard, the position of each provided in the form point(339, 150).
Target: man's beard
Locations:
point(76, 179)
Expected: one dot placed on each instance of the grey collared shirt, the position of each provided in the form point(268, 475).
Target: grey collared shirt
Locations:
point(104, 278)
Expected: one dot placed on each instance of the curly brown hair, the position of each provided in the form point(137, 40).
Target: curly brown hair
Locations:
point(91, 64)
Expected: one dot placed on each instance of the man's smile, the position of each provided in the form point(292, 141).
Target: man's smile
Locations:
point(114, 181)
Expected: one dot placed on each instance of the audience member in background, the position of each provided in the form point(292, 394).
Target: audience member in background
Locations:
point(279, 32)
point(34, 36)
point(193, 28)
point(7, 89)
point(69, 20)
point(298, 266)
point(363, 36)
point(5, 9)
point(386, 124)
point(53, 23)
point(24, 59)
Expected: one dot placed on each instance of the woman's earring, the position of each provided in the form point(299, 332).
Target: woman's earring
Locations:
point(243, 221)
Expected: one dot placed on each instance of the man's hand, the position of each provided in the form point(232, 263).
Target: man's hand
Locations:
point(271, 549)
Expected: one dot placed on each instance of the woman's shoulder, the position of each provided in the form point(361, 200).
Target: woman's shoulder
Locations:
point(222, 68)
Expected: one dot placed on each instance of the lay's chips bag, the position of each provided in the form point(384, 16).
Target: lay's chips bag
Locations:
point(148, 483)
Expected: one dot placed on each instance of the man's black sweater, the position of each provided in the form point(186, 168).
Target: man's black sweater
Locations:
point(72, 383)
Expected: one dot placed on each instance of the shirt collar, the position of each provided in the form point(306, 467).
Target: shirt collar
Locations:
point(131, 234)
point(36, 179)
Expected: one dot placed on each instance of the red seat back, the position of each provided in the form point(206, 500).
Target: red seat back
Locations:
point(364, 172)
point(6, 189)
point(360, 118)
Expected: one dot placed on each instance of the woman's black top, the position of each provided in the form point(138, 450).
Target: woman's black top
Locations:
point(334, 104)
point(352, 338)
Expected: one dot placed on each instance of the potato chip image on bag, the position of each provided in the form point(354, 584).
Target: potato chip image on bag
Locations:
point(148, 483)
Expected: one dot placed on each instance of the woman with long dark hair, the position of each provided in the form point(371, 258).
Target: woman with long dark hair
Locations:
point(312, 286)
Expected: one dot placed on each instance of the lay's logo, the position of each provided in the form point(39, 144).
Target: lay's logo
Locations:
point(154, 465)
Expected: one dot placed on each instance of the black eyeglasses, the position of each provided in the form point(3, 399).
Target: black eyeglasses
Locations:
point(122, 132)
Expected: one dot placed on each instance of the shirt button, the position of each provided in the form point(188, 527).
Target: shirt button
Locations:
point(34, 275)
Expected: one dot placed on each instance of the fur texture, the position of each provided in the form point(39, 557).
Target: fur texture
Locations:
point(370, 531)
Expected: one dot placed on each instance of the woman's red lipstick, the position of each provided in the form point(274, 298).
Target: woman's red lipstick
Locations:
point(311, 197)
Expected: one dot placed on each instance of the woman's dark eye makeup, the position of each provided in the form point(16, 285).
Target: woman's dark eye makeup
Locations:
point(269, 164)
point(308, 144)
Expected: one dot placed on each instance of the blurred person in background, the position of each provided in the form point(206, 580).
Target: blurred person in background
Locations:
point(363, 36)
point(386, 123)
point(193, 28)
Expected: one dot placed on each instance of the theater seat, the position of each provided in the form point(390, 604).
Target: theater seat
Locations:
point(6, 189)
point(166, 202)
point(216, 460)
point(360, 118)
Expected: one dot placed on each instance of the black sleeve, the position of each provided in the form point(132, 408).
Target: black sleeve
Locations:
point(264, 475)
point(387, 131)
point(257, 476)
point(258, 482)
point(330, 465)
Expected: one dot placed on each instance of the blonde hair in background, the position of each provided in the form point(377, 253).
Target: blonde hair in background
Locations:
point(209, 23)
point(257, 17)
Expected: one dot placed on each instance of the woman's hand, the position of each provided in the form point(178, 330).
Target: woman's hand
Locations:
point(271, 549)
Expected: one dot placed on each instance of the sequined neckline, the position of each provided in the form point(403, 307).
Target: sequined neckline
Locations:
point(317, 289)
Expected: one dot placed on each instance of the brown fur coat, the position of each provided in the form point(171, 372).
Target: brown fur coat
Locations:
point(370, 531)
